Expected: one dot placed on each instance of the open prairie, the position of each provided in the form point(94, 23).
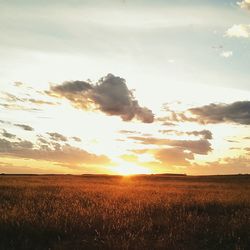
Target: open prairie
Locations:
point(113, 212)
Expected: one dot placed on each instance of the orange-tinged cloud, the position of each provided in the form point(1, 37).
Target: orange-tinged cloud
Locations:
point(167, 157)
point(52, 152)
point(202, 146)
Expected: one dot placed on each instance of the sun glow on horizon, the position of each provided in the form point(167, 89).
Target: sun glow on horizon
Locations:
point(130, 169)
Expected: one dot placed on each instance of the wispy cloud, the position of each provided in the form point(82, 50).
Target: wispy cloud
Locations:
point(24, 127)
point(10, 98)
point(201, 147)
point(205, 134)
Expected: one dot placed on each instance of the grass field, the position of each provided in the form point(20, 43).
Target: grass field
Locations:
point(101, 212)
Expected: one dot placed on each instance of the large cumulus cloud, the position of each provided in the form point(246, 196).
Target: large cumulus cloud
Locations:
point(110, 95)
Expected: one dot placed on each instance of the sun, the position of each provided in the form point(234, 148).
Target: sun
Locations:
point(130, 169)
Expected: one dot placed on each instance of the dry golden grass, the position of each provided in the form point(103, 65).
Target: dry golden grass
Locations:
point(76, 212)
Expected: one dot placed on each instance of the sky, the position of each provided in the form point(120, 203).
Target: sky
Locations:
point(125, 87)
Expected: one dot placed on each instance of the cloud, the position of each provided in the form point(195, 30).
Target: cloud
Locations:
point(5, 122)
point(237, 112)
point(42, 140)
point(40, 102)
point(202, 147)
point(232, 141)
point(241, 161)
point(173, 156)
point(17, 107)
point(77, 139)
point(239, 30)
point(129, 158)
point(235, 148)
point(217, 47)
point(167, 156)
point(165, 121)
point(72, 87)
point(128, 132)
point(8, 135)
point(53, 152)
point(57, 137)
point(19, 169)
point(245, 4)
point(24, 127)
point(226, 54)
point(206, 134)
point(175, 117)
point(228, 162)
point(110, 95)
point(10, 98)
point(18, 84)
point(7, 146)
point(228, 165)
point(168, 123)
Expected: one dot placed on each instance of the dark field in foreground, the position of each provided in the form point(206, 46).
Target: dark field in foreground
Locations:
point(86, 212)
